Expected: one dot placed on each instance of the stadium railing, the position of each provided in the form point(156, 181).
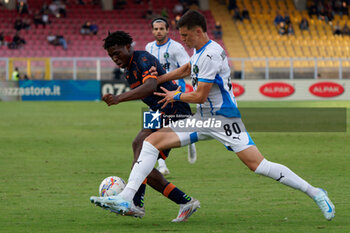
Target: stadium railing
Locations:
point(101, 68)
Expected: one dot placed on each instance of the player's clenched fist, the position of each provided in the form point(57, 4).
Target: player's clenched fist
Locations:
point(110, 99)
point(153, 71)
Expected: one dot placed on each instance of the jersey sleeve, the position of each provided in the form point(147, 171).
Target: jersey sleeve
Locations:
point(182, 57)
point(208, 67)
point(145, 63)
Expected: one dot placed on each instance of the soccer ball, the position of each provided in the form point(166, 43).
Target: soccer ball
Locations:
point(111, 186)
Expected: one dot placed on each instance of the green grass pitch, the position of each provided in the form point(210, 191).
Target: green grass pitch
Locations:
point(53, 156)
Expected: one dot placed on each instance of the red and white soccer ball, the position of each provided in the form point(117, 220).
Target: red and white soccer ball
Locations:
point(111, 186)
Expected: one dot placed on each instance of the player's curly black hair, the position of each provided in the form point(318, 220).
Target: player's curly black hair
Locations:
point(119, 38)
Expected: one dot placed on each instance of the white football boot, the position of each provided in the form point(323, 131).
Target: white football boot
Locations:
point(164, 170)
point(186, 210)
point(192, 153)
point(115, 204)
point(325, 204)
point(135, 211)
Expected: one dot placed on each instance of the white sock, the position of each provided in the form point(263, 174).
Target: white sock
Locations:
point(284, 175)
point(143, 166)
point(161, 163)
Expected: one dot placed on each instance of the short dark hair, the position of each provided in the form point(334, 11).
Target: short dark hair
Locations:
point(160, 20)
point(192, 19)
point(119, 38)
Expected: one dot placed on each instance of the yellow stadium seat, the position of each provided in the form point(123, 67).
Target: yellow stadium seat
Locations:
point(260, 38)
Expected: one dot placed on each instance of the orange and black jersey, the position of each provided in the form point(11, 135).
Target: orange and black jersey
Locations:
point(138, 72)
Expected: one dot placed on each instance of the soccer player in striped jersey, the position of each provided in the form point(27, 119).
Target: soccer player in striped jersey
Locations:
point(171, 56)
point(210, 74)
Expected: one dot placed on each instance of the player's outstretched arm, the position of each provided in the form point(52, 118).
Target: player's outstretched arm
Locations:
point(198, 97)
point(142, 91)
point(179, 73)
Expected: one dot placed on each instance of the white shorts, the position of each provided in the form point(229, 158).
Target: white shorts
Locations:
point(231, 132)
